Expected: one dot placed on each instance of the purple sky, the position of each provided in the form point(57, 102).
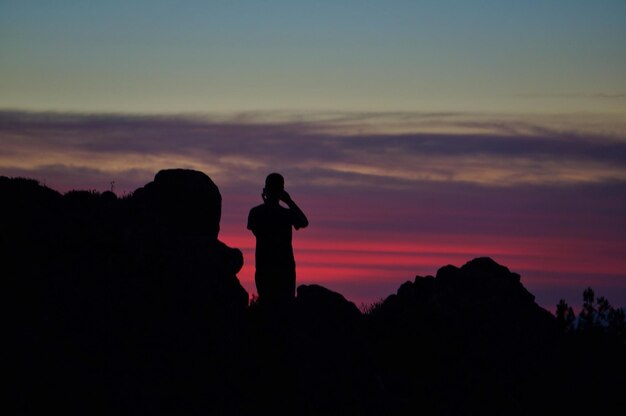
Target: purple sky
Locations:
point(389, 195)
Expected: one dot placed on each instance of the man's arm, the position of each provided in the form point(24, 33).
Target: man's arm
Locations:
point(299, 219)
point(252, 221)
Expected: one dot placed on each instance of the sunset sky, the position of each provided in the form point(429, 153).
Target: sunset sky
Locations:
point(414, 134)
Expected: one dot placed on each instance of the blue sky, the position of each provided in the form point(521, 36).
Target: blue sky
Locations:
point(228, 56)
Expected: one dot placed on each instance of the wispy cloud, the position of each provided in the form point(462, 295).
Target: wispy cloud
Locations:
point(597, 94)
point(325, 149)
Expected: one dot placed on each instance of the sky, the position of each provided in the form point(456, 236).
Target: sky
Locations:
point(413, 134)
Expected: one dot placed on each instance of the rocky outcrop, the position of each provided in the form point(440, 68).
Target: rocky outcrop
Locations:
point(478, 293)
point(116, 295)
point(182, 201)
point(474, 335)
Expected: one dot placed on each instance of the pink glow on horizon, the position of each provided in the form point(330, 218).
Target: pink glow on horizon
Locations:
point(355, 264)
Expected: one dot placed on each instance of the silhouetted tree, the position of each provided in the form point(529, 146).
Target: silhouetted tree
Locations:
point(617, 323)
point(597, 314)
point(587, 315)
point(598, 349)
point(597, 319)
point(565, 316)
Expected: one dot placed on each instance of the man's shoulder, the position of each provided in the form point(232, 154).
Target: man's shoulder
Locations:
point(257, 208)
point(266, 210)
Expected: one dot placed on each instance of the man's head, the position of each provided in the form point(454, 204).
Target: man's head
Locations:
point(274, 186)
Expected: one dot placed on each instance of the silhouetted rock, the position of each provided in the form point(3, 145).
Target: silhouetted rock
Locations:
point(112, 296)
point(183, 201)
point(310, 356)
point(474, 292)
point(179, 213)
point(325, 305)
point(474, 334)
point(333, 358)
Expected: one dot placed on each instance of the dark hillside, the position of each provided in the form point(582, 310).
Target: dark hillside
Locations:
point(132, 306)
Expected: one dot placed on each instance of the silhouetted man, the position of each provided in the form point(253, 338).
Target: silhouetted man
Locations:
point(271, 224)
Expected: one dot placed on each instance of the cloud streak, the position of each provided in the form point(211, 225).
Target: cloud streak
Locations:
point(319, 150)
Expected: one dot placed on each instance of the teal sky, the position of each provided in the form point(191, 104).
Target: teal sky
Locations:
point(230, 56)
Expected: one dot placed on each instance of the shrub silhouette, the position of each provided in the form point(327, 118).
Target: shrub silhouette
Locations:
point(596, 316)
